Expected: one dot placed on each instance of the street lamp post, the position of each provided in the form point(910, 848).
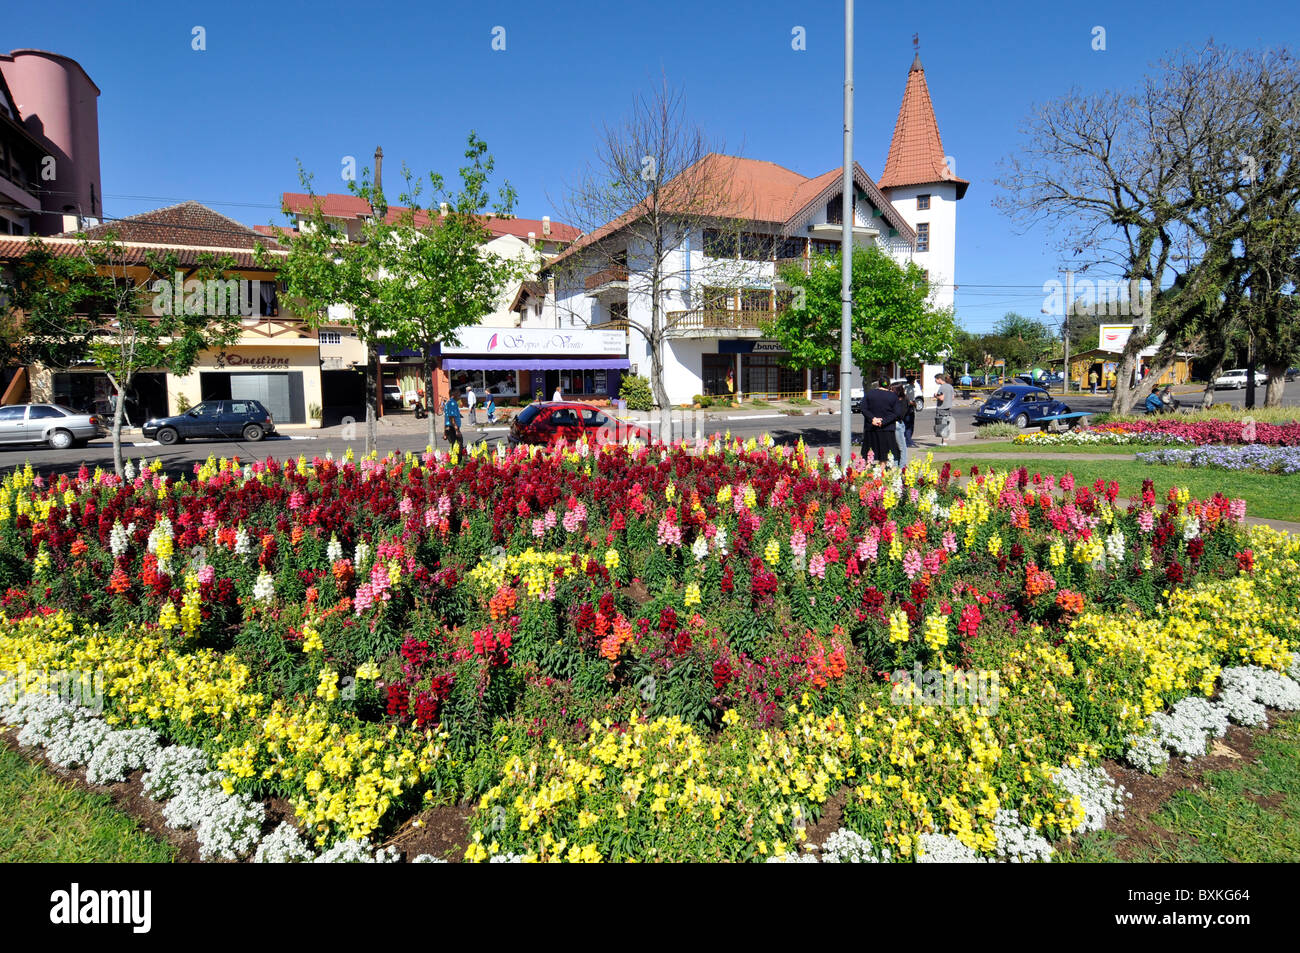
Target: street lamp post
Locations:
point(846, 252)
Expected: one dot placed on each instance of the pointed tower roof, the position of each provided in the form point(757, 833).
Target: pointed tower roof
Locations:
point(916, 154)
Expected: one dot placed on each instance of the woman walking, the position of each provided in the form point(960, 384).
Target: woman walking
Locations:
point(906, 417)
point(881, 409)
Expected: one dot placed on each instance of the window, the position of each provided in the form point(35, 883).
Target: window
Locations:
point(820, 246)
point(922, 203)
point(594, 418)
point(331, 337)
point(243, 407)
point(791, 248)
point(755, 246)
point(923, 236)
point(756, 300)
point(719, 243)
point(13, 413)
point(719, 299)
point(925, 276)
point(42, 412)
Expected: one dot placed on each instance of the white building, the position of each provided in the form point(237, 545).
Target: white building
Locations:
point(721, 286)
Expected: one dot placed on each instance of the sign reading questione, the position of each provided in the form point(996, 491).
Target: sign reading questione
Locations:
point(263, 362)
point(538, 342)
point(1113, 337)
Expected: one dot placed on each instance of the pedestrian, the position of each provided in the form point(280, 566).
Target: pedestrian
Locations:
point(731, 383)
point(451, 421)
point(1167, 398)
point(471, 403)
point(557, 396)
point(1154, 404)
point(880, 433)
point(491, 408)
point(1092, 380)
point(910, 393)
point(944, 398)
point(905, 411)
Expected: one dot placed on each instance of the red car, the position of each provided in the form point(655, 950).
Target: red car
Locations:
point(554, 421)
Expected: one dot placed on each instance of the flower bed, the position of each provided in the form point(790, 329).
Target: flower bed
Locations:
point(1171, 431)
point(1256, 457)
point(639, 652)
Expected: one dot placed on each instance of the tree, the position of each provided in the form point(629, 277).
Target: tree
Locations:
point(324, 268)
point(1023, 341)
point(439, 277)
point(135, 326)
point(1147, 183)
point(894, 317)
point(653, 181)
point(44, 320)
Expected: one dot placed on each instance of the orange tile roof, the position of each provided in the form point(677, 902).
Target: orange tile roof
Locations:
point(334, 205)
point(748, 190)
point(916, 155)
point(186, 225)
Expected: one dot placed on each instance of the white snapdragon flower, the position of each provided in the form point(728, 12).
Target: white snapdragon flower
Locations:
point(334, 551)
point(700, 549)
point(264, 588)
point(118, 539)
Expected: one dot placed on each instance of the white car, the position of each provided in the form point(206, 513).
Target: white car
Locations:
point(1235, 378)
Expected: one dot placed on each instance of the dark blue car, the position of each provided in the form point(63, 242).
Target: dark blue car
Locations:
point(1019, 404)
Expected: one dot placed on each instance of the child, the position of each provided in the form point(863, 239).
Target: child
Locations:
point(491, 409)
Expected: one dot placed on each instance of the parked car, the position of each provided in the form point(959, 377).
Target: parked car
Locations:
point(56, 426)
point(920, 397)
point(554, 421)
point(392, 397)
point(855, 397)
point(1235, 379)
point(229, 419)
point(1019, 404)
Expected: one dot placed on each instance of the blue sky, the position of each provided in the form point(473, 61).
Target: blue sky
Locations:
point(280, 82)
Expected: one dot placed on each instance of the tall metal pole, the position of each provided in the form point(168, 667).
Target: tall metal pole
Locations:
point(846, 252)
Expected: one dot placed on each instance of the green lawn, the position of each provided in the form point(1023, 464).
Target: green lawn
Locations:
point(1267, 495)
point(1247, 815)
point(49, 820)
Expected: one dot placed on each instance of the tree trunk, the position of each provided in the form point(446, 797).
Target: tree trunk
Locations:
point(1251, 383)
point(1276, 384)
point(428, 392)
point(118, 409)
point(372, 410)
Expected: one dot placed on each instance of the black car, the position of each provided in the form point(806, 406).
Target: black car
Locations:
point(228, 419)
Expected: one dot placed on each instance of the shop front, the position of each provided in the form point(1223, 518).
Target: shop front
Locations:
point(519, 363)
point(760, 368)
point(286, 379)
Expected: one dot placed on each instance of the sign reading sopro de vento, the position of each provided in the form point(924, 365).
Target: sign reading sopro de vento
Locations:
point(537, 341)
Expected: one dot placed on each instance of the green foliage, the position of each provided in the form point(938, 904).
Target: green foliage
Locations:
point(894, 316)
point(703, 400)
point(636, 391)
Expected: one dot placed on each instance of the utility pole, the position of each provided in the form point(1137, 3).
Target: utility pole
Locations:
point(846, 253)
point(1069, 306)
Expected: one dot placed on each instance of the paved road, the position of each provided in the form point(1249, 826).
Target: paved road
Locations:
point(817, 430)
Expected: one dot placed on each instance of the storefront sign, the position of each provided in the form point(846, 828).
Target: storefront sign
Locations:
point(537, 342)
point(751, 347)
point(233, 359)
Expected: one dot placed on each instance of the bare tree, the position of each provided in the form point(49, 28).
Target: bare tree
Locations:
point(1145, 184)
point(653, 182)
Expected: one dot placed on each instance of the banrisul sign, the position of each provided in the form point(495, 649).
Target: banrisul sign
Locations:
point(538, 342)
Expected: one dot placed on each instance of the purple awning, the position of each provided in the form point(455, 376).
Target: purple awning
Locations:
point(534, 364)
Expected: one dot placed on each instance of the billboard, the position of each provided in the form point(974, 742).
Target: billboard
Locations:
point(1113, 337)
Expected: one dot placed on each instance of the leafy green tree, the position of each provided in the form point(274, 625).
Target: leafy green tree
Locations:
point(1023, 341)
point(439, 276)
point(136, 328)
point(43, 320)
point(894, 316)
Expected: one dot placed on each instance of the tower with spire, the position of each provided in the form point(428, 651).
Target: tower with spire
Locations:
point(921, 182)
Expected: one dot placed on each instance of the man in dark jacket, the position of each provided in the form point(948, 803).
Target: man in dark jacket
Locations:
point(882, 410)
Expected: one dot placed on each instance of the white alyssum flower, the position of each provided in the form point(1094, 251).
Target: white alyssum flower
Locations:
point(169, 767)
point(358, 852)
point(945, 849)
point(496, 859)
point(195, 796)
point(231, 828)
point(429, 858)
point(77, 743)
point(849, 847)
point(120, 753)
point(1017, 842)
point(1263, 685)
point(1097, 794)
point(1146, 753)
point(284, 845)
point(791, 858)
point(264, 588)
point(1188, 727)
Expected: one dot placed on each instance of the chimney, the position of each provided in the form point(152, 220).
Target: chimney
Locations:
point(71, 222)
point(546, 225)
point(379, 168)
point(442, 208)
point(532, 238)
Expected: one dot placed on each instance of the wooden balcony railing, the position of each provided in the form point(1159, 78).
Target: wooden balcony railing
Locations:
point(613, 273)
point(705, 319)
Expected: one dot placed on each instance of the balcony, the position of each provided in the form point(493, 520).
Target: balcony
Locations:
point(709, 322)
point(609, 283)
